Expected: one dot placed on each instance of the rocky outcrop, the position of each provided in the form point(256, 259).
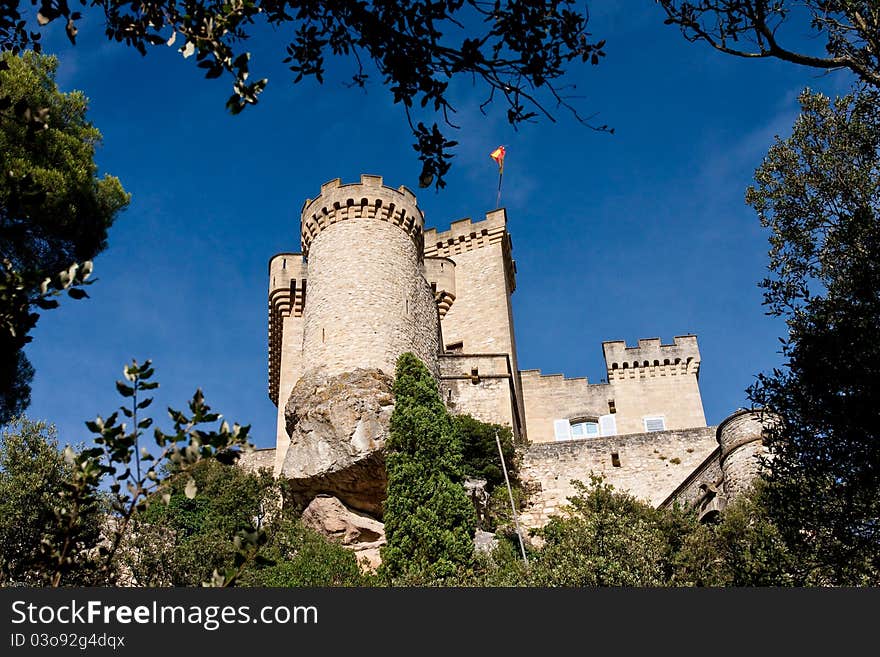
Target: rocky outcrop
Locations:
point(356, 531)
point(338, 426)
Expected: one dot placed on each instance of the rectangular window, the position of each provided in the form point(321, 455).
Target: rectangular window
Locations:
point(656, 423)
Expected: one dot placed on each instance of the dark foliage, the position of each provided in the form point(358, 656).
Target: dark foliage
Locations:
point(819, 193)
point(54, 210)
point(848, 31)
point(517, 50)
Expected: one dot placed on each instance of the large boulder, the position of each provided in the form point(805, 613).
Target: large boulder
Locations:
point(356, 531)
point(338, 426)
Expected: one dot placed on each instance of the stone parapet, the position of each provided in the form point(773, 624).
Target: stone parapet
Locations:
point(651, 358)
point(369, 199)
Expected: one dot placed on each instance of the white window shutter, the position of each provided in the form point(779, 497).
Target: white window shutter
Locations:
point(562, 429)
point(607, 425)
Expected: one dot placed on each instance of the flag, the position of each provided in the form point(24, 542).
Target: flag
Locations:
point(498, 156)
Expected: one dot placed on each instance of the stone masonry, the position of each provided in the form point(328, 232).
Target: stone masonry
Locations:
point(647, 465)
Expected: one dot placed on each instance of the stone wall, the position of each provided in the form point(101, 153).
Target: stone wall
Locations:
point(288, 277)
point(694, 487)
point(480, 385)
point(291, 371)
point(651, 466)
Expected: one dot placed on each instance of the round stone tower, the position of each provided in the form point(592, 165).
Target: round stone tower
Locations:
point(367, 298)
point(741, 436)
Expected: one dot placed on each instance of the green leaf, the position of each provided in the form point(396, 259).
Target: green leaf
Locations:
point(124, 390)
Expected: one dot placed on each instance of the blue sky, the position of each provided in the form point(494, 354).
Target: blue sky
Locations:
point(640, 234)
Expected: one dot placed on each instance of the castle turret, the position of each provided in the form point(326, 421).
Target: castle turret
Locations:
point(368, 300)
point(288, 275)
point(340, 315)
point(440, 274)
point(741, 436)
point(655, 386)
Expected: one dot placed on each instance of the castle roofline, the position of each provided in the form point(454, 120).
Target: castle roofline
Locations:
point(467, 227)
point(368, 180)
point(368, 199)
point(678, 340)
point(651, 356)
point(467, 235)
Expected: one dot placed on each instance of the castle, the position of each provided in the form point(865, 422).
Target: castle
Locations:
point(372, 283)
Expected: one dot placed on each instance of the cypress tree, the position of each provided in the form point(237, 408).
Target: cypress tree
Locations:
point(429, 521)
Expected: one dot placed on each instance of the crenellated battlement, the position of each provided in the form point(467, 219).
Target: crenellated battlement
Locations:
point(651, 358)
point(368, 199)
point(288, 273)
point(466, 235)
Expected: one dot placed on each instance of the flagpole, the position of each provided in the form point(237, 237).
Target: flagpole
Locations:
point(498, 156)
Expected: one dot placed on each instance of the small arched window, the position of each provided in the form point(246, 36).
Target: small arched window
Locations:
point(584, 428)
